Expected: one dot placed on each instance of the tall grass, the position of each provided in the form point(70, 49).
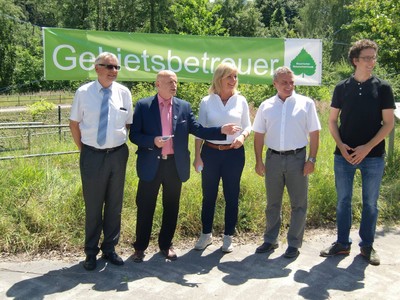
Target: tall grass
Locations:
point(41, 205)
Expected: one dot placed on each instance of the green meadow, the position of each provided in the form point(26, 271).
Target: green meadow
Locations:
point(41, 205)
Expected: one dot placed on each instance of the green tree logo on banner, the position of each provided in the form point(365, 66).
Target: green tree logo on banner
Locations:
point(303, 64)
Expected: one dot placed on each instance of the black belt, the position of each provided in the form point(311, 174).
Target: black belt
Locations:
point(288, 152)
point(106, 150)
point(166, 157)
point(218, 146)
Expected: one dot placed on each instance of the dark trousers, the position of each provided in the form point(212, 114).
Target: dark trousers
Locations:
point(146, 200)
point(228, 166)
point(103, 179)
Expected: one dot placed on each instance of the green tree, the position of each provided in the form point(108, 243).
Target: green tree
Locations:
point(270, 8)
point(10, 16)
point(279, 16)
point(241, 18)
point(158, 15)
point(130, 15)
point(326, 22)
point(378, 21)
point(197, 17)
point(40, 12)
point(29, 69)
point(89, 14)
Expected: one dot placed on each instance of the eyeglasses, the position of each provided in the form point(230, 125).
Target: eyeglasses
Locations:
point(110, 67)
point(368, 58)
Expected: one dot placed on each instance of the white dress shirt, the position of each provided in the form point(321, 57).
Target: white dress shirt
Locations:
point(86, 111)
point(286, 124)
point(214, 113)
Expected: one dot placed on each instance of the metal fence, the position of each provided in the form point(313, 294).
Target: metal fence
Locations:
point(27, 130)
point(23, 100)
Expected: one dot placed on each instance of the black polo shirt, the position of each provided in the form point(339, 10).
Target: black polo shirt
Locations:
point(361, 105)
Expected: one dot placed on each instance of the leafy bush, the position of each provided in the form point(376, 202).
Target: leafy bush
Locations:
point(256, 94)
point(39, 110)
point(142, 90)
point(193, 93)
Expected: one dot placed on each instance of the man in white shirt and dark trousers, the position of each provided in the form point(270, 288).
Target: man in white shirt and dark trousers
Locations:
point(286, 123)
point(101, 114)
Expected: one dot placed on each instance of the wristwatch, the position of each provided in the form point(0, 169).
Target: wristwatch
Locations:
point(312, 159)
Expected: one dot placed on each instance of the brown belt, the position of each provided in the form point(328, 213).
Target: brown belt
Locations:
point(218, 147)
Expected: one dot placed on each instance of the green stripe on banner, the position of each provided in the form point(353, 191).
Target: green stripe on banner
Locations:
point(69, 54)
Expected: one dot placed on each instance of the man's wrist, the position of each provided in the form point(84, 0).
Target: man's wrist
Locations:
point(312, 159)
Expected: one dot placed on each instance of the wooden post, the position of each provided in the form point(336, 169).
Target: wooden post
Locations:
point(391, 143)
point(59, 123)
point(392, 135)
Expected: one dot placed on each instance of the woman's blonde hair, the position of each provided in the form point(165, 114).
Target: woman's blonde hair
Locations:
point(222, 71)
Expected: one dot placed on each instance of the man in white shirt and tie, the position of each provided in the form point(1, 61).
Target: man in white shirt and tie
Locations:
point(100, 117)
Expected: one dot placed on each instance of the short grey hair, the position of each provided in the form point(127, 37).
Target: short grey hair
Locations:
point(103, 56)
point(281, 70)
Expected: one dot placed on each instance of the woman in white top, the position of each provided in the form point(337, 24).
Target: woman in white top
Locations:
point(221, 159)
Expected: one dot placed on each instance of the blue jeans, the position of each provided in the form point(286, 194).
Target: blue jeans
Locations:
point(371, 169)
point(226, 165)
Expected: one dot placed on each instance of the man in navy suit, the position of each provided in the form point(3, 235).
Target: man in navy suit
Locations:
point(161, 127)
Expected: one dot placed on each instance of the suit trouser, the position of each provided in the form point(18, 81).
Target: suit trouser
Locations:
point(146, 200)
point(103, 179)
point(226, 165)
point(281, 171)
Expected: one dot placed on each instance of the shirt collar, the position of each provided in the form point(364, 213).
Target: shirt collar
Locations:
point(288, 98)
point(161, 100)
point(99, 86)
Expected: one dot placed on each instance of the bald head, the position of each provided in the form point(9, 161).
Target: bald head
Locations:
point(166, 84)
point(165, 73)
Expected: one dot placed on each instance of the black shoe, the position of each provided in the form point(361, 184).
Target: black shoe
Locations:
point(138, 256)
point(90, 262)
point(291, 252)
point(266, 247)
point(336, 249)
point(169, 254)
point(370, 255)
point(113, 258)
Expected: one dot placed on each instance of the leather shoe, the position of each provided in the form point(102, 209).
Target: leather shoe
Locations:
point(113, 258)
point(138, 256)
point(291, 252)
point(90, 262)
point(169, 254)
point(266, 247)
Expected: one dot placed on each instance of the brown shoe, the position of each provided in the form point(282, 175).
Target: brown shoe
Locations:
point(169, 253)
point(138, 256)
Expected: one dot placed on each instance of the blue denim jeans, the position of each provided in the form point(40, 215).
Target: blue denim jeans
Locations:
point(226, 165)
point(371, 169)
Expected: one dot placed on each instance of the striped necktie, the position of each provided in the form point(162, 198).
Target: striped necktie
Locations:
point(103, 121)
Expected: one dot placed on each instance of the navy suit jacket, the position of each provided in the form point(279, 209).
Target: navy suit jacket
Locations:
point(147, 125)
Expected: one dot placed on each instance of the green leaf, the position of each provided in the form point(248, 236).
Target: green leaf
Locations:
point(303, 64)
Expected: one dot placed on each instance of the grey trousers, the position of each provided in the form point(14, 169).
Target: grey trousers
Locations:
point(281, 171)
